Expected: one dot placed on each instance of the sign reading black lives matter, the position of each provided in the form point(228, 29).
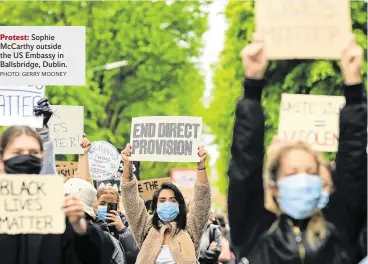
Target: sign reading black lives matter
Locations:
point(66, 128)
point(44, 55)
point(17, 104)
point(104, 160)
point(31, 204)
point(166, 138)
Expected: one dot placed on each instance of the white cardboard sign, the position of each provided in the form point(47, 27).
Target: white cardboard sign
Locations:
point(31, 204)
point(66, 128)
point(17, 104)
point(303, 29)
point(166, 138)
point(311, 118)
point(104, 160)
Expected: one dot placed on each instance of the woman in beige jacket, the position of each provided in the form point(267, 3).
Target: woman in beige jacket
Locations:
point(167, 236)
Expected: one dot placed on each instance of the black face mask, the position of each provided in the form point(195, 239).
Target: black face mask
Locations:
point(23, 164)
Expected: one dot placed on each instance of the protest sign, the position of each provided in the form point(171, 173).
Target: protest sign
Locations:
point(148, 187)
point(183, 177)
point(17, 104)
point(166, 138)
point(116, 178)
point(104, 160)
point(295, 29)
point(66, 128)
point(31, 204)
point(311, 118)
point(67, 169)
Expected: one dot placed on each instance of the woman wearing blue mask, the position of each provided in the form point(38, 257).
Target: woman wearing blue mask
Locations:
point(168, 236)
point(286, 211)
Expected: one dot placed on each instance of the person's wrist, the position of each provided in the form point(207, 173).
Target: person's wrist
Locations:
point(254, 76)
point(120, 228)
point(201, 166)
point(80, 227)
point(352, 79)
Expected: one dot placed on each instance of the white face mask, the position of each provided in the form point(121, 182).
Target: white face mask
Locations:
point(301, 195)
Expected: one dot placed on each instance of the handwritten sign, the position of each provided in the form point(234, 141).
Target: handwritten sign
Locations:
point(183, 177)
point(17, 104)
point(104, 160)
point(166, 138)
point(311, 118)
point(67, 169)
point(148, 187)
point(295, 29)
point(66, 128)
point(31, 204)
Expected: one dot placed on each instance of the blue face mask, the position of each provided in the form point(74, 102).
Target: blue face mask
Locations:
point(167, 211)
point(101, 213)
point(301, 195)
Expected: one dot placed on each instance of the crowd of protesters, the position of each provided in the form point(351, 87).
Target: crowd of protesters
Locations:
point(286, 205)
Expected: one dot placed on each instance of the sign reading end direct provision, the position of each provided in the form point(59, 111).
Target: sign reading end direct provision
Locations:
point(42, 55)
point(104, 160)
point(166, 138)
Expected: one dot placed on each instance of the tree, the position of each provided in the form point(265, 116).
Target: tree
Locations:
point(158, 40)
point(292, 76)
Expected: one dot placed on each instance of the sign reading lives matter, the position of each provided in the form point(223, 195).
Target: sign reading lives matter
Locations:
point(311, 118)
point(297, 29)
point(166, 138)
point(31, 204)
point(17, 104)
point(66, 128)
point(42, 55)
point(104, 160)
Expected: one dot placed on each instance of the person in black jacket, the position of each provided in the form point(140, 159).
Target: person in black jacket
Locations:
point(210, 248)
point(22, 152)
point(308, 223)
point(118, 222)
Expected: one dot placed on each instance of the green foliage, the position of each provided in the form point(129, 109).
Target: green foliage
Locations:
point(158, 41)
point(293, 76)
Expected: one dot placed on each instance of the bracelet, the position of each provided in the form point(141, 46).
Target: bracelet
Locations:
point(201, 169)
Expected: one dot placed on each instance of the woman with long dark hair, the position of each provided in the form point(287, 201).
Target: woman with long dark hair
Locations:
point(168, 235)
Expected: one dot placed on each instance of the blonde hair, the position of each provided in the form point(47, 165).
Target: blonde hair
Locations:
point(316, 229)
point(108, 189)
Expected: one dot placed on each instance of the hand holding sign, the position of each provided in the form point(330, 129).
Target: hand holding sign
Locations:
point(43, 108)
point(202, 153)
point(351, 62)
point(85, 144)
point(254, 58)
point(74, 210)
point(128, 170)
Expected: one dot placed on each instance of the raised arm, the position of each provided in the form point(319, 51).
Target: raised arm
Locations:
point(135, 209)
point(83, 164)
point(351, 160)
point(201, 204)
point(43, 109)
point(248, 218)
